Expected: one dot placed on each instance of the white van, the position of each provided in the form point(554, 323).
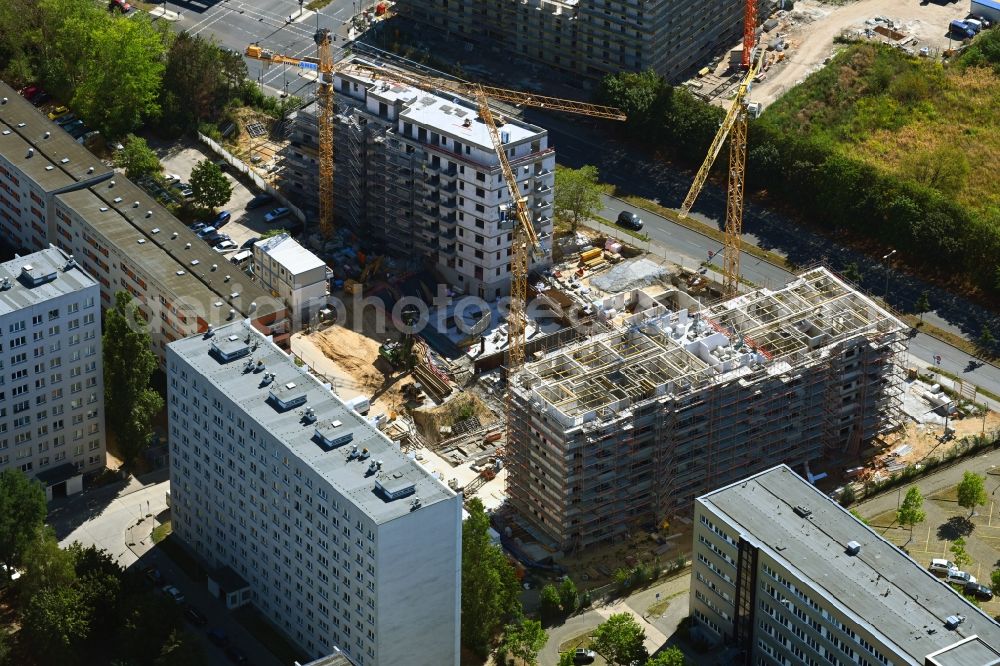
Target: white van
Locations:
point(241, 257)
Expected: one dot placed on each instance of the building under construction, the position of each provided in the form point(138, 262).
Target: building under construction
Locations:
point(622, 431)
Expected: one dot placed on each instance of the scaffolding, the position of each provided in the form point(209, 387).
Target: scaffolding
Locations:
point(688, 398)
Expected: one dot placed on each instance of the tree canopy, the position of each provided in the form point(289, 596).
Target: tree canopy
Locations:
point(137, 158)
point(490, 591)
point(620, 640)
point(22, 512)
point(578, 194)
point(129, 402)
point(522, 640)
point(672, 656)
point(910, 512)
point(972, 491)
point(210, 186)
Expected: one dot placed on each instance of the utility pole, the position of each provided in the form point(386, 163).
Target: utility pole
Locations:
point(888, 271)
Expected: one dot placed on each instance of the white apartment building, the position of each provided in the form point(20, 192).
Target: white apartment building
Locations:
point(294, 274)
point(787, 576)
point(345, 542)
point(417, 175)
point(51, 374)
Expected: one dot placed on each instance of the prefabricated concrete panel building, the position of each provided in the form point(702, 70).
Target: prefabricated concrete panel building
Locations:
point(623, 430)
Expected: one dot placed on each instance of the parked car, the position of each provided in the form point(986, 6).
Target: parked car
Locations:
point(88, 136)
point(629, 220)
point(236, 656)
point(121, 5)
point(259, 200)
point(174, 594)
point(217, 636)
point(225, 246)
point(66, 120)
point(79, 131)
point(58, 112)
point(198, 226)
point(979, 591)
point(216, 238)
point(172, 177)
point(222, 219)
point(942, 567)
point(960, 577)
point(28, 92)
point(276, 214)
point(206, 231)
point(73, 126)
point(241, 257)
point(153, 575)
point(583, 656)
point(41, 98)
point(187, 192)
point(248, 243)
point(195, 616)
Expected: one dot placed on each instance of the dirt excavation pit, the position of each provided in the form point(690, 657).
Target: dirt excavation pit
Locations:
point(460, 408)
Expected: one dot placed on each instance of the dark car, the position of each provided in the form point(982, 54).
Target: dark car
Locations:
point(629, 220)
point(218, 636)
point(583, 656)
point(195, 616)
point(41, 98)
point(222, 219)
point(66, 120)
point(248, 243)
point(979, 591)
point(153, 575)
point(79, 131)
point(236, 656)
point(216, 238)
point(259, 200)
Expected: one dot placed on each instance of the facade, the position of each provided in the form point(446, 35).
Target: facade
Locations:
point(38, 160)
point(417, 174)
point(344, 541)
point(622, 431)
point(592, 38)
point(51, 374)
point(55, 191)
point(294, 274)
point(788, 576)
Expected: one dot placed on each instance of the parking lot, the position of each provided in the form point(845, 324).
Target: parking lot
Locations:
point(244, 224)
point(945, 522)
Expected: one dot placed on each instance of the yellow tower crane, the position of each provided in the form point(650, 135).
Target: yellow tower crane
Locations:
point(324, 52)
point(734, 127)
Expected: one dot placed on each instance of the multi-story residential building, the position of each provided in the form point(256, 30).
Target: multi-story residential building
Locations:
point(344, 541)
point(591, 38)
point(788, 576)
point(54, 191)
point(38, 160)
point(294, 274)
point(51, 374)
point(417, 174)
point(623, 430)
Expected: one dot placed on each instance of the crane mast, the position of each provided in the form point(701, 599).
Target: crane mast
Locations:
point(324, 53)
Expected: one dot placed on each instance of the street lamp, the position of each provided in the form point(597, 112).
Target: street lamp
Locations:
point(885, 296)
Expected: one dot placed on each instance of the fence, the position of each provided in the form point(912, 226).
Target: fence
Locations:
point(245, 168)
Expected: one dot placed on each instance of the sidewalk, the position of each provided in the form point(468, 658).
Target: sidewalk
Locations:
point(162, 12)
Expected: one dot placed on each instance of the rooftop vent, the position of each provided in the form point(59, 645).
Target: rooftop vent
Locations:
point(187, 246)
point(118, 199)
point(47, 135)
point(330, 435)
point(802, 511)
point(853, 548)
point(5, 284)
point(49, 167)
point(111, 184)
point(309, 416)
point(141, 241)
point(149, 213)
point(952, 621)
point(178, 272)
point(90, 169)
point(195, 262)
point(173, 235)
point(104, 209)
point(155, 230)
point(64, 160)
point(21, 124)
point(135, 204)
point(6, 132)
point(70, 263)
point(3, 101)
point(215, 267)
point(210, 331)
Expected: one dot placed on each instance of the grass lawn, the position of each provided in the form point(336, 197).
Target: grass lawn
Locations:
point(268, 636)
point(161, 532)
point(583, 640)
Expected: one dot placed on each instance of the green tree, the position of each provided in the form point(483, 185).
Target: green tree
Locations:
point(48, 567)
point(995, 581)
point(986, 339)
point(180, 649)
point(550, 603)
point(122, 69)
point(672, 656)
point(210, 186)
point(566, 659)
point(852, 273)
point(271, 233)
point(620, 640)
point(623, 578)
point(568, 596)
point(99, 578)
point(854, 512)
point(959, 555)
point(522, 640)
point(137, 158)
point(847, 496)
point(923, 304)
point(129, 402)
point(490, 591)
point(22, 511)
point(644, 97)
point(578, 194)
point(972, 492)
point(55, 624)
point(945, 168)
point(194, 86)
point(911, 512)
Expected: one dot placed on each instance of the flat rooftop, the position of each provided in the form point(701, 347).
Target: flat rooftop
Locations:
point(658, 351)
point(445, 112)
point(166, 250)
point(289, 253)
point(881, 588)
point(39, 277)
point(40, 148)
point(316, 427)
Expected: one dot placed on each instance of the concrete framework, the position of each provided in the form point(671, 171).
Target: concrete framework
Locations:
point(417, 175)
point(591, 38)
point(51, 375)
point(624, 430)
point(344, 541)
point(787, 576)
